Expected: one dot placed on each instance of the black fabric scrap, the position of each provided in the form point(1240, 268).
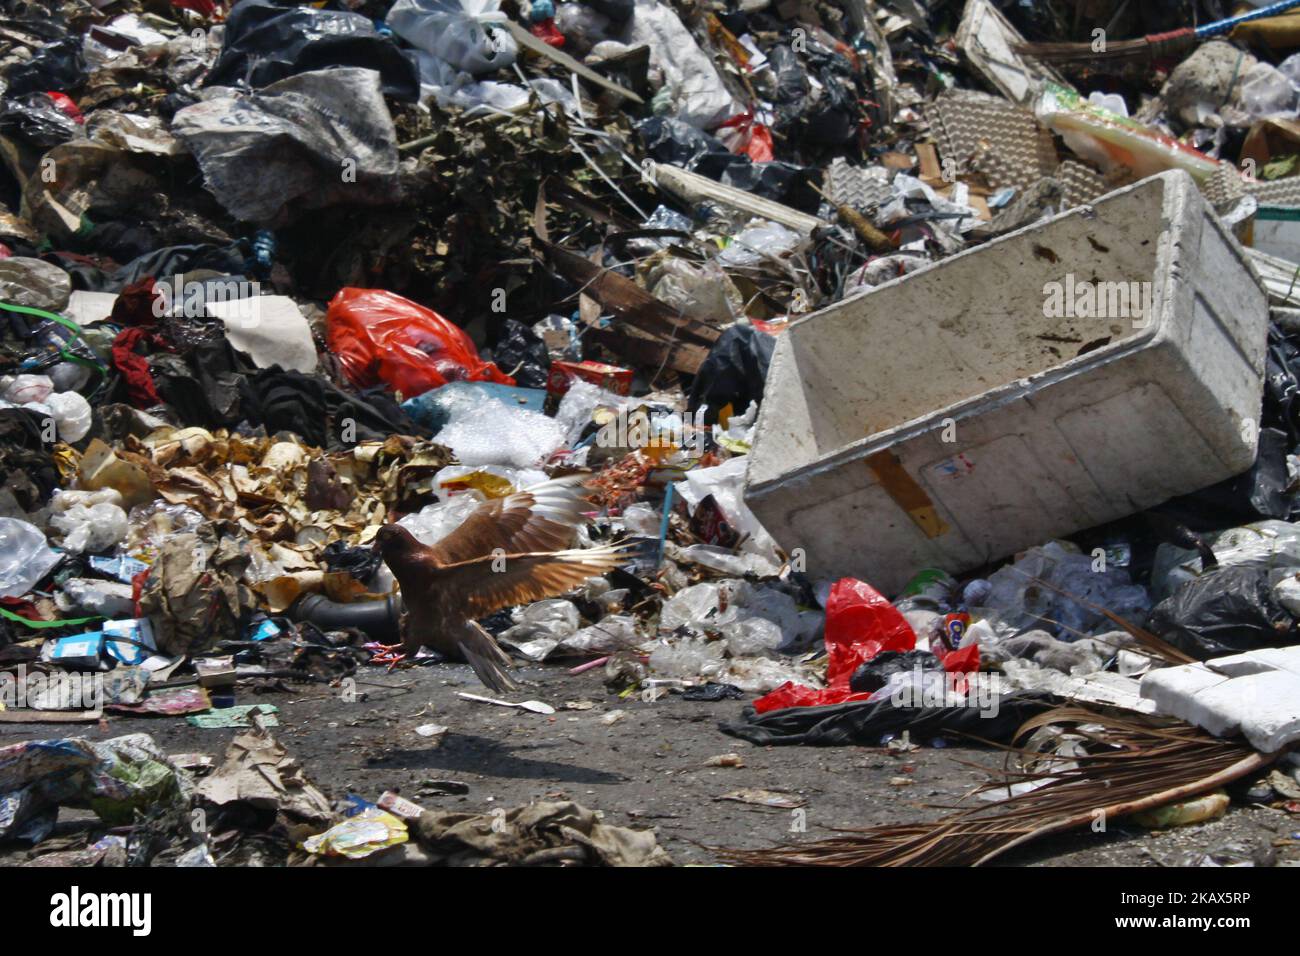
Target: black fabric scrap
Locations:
point(314, 409)
point(863, 723)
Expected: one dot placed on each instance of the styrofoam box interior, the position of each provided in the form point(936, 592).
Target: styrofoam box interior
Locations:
point(1014, 425)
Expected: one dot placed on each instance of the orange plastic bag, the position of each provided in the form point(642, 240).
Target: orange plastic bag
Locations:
point(381, 337)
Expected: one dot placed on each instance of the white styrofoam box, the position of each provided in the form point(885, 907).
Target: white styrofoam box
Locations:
point(968, 411)
point(1256, 694)
point(1172, 688)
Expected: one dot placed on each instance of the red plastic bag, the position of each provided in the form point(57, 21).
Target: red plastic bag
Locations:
point(66, 106)
point(860, 623)
point(382, 337)
point(547, 32)
point(745, 137)
point(963, 661)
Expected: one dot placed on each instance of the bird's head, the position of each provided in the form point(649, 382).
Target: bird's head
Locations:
point(393, 543)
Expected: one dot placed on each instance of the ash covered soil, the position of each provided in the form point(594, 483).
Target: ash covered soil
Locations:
point(646, 769)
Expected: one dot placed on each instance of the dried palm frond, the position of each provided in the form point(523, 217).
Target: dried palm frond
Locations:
point(1131, 764)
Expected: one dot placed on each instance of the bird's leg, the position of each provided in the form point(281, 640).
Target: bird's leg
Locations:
point(390, 654)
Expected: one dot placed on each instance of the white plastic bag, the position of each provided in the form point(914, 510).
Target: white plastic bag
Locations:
point(90, 521)
point(698, 95)
point(72, 415)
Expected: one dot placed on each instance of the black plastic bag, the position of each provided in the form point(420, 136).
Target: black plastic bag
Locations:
point(265, 42)
point(791, 81)
point(35, 119)
point(1282, 383)
point(1262, 492)
point(1225, 611)
point(680, 144)
point(833, 119)
point(360, 562)
point(875, 673)
point(58, 67)
point(203, 386)
point(167, 261)
point(712, 693)
point(521, 353)
point(617, 10)
point(733, 373)
point(313, 408)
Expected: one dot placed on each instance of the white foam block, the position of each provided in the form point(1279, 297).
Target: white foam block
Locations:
point(1255, 694)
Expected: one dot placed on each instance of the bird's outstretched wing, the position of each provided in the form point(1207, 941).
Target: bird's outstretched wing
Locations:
point(480, 586)
point(540, 518)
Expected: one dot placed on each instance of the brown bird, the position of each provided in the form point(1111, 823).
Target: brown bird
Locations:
point(509, 551)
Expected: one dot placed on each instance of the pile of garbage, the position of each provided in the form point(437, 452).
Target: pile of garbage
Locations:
point(931, 351)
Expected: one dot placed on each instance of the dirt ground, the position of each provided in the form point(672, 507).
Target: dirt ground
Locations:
point(645, 769)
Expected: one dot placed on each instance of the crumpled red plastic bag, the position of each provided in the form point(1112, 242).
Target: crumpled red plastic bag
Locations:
point(379, 336)
point(965, 660)
point(744, 136)
point(66, 106)
point(860, 623)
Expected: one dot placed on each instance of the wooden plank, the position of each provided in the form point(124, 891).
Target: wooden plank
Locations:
point(628, 301)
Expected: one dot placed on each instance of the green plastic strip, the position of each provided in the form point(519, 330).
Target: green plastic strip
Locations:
point(41, 625)
point(67, 323)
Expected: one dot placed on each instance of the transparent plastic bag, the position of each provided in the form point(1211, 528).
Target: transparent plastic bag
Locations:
point(1267, 91)
point(434, 522)
point(1116, 143)
point(153, 523)
point(688, 658)
point(554, 618)
point(25, 557)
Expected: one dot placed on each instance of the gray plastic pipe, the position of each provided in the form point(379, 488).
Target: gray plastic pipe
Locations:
point(378, 619)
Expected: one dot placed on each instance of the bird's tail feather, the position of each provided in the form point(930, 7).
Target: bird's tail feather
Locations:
point(488, 660)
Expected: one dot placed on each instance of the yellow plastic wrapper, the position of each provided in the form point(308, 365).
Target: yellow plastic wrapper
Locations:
point(1209, 807)
point(368, 832)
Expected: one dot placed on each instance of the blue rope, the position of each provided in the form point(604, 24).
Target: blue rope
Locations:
point(1221, 27)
